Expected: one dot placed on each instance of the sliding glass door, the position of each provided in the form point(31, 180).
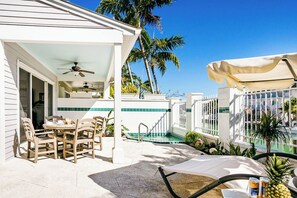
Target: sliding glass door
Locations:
point(37, 102)
point(36, 99)
point(25, 103)
point(50, 100)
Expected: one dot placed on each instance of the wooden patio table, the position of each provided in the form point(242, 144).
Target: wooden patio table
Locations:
point(59, 128)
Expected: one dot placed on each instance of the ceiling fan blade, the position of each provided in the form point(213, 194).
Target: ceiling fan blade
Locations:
point(81, 74)
point(67, 72)
point(86, 71)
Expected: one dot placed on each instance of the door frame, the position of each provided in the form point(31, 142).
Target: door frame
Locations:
point(46, 80)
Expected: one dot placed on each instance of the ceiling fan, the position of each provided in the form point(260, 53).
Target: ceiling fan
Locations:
point(76, 68)
point(86, 88)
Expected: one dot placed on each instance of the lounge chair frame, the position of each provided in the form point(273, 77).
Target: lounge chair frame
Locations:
point(227, 178)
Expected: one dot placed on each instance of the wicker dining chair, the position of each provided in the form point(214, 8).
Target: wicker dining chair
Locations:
point(40, 139)
point(100, 130)
point(80, 143)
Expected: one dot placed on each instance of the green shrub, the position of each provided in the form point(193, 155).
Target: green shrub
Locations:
point(250, 152)
point(125, 89)
point(214, 148)
point(129, 88)
point(192, 136)
point(235, 150)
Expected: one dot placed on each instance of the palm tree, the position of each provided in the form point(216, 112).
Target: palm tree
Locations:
point(158, 52)
point(137, 13)
point(270, 129)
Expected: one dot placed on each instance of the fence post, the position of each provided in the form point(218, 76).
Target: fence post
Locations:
point(194, 111)
point(174, 112)
point(231, 114)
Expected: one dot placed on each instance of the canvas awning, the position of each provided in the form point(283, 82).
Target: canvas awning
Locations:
point(257, 73)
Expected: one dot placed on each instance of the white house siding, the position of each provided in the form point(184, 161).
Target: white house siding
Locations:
point(38, 14)
point(14, 52)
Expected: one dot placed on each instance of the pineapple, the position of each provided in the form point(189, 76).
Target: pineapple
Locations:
point(278, 170)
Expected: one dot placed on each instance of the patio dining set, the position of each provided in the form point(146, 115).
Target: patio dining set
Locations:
point(59, 134)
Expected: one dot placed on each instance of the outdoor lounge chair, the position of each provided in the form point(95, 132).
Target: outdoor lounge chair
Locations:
point(232, 170)
point(39, 138)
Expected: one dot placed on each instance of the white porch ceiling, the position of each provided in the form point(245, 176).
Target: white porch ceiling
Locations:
point(60, 57)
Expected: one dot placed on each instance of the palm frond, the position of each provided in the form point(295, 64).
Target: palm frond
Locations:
point(168, 56)
point(169, 44)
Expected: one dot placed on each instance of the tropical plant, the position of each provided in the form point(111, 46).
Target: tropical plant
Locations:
point(233, 150)
point(250, 152)
point(270, 129)
point(293, 109)
point(158, 52)
point(278, 171)
point(192, 136)
point(129, 89)
point(236, 150)
point(136, 13)
point(109, 132)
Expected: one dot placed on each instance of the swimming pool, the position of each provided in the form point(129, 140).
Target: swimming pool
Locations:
point(162, 138)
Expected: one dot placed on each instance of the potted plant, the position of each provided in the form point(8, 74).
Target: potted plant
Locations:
point(270, 129)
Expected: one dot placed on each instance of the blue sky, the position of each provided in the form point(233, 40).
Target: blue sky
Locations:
point(217, 30)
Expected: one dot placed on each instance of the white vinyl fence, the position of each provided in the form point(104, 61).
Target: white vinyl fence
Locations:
point(283, 103)
point(206, 119)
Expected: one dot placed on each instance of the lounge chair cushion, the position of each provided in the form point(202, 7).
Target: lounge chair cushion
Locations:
point(217, 166)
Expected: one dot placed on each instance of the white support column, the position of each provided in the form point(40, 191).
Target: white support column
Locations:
point(117, 152)
point(174, 113)
point(231, 114)
point(2, 105)
point(106, 91)
point(194, 111)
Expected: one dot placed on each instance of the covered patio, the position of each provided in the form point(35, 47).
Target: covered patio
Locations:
point(41, 43)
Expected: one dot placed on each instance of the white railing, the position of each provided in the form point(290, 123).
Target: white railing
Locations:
point(182, 115)
point(283, 103)
point(206, 117)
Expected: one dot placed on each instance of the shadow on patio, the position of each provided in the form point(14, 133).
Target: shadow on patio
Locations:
point(142, 179)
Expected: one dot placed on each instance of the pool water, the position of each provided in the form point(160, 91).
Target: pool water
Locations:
point(167, 138)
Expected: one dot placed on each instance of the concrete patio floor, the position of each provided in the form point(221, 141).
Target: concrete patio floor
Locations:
point(98, 177)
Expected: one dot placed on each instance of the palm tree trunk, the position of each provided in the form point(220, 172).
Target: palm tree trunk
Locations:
point(130, 73)
point(146, 63)
point(155, 79)
point(268, 146)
